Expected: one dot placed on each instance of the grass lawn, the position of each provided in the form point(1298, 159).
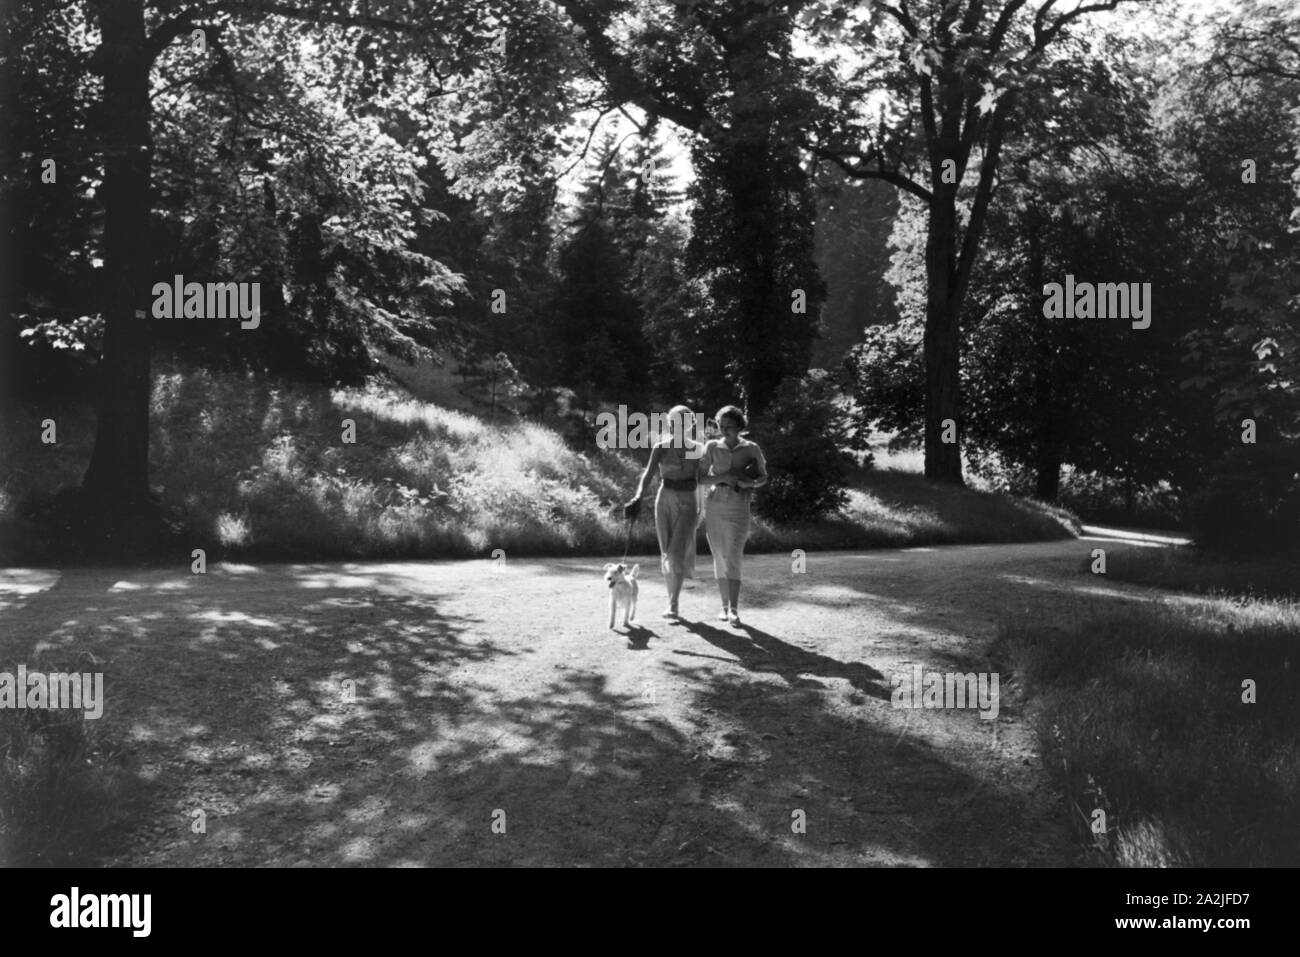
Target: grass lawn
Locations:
point(1190, 569)
point(1145, 715)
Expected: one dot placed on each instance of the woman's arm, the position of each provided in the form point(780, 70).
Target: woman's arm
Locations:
point(656, 454)
point(762, 472)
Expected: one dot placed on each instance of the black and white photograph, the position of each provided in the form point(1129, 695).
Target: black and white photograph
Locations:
point(651, 434)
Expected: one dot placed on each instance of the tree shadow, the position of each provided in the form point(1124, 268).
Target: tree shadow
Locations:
point(458, 745)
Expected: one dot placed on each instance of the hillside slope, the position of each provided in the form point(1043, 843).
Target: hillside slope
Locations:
point(256, 468)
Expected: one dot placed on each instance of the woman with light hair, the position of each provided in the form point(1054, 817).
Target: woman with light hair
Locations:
point(677, 457)
point(730, 468)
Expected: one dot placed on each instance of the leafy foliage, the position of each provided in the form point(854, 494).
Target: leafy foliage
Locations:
point(804, 435)
point(1240, 109)
point(1251, 502)
point(49, 255)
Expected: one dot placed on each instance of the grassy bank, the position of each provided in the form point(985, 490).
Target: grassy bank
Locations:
point(1190, 569)
point(1140, 713)
point(257, 469)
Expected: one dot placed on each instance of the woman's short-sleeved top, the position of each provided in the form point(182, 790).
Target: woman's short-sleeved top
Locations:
point(674, 463)
point(718, 458)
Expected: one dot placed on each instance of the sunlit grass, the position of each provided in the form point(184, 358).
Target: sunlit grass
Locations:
point(905, 460)
point(1140, 714)
point(260, 468)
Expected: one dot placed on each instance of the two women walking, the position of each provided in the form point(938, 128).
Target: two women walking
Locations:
point(712, 481)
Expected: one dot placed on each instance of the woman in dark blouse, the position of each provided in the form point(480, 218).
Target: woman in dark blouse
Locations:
point(676, 456)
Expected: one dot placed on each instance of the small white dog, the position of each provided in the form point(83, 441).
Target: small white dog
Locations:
point(622, 591)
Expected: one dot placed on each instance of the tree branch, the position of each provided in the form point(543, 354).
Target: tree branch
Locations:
point(900, 14)
point(1043, 38)
point(983, 193)
point(860, 171)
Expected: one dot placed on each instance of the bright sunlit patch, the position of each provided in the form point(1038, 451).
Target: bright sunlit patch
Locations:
point(174, 584)
point(233, 618)
point(1026, 580)
point(325, 580)
point(232, 529)
point(1147, 539)
point(233, 568)
point(1107, 592)
point(16, 582)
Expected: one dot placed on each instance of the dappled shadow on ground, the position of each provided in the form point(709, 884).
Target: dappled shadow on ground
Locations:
point(461, 743)
point(223, 680)
point(856, 599)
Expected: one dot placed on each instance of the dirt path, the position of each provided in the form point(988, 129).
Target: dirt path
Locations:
point(495, 694)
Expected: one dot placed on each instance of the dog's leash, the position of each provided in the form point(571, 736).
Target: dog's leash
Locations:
point(627, 545)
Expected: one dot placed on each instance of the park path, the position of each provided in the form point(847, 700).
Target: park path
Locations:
point(490, 697)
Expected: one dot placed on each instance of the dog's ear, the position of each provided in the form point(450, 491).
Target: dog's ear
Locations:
point(609, 565)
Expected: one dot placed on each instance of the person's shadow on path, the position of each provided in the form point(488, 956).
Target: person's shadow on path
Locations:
point(762, 652)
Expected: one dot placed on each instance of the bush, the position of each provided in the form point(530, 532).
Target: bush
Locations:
point(1251, 502)
point(1105, 499)
point(803, 435)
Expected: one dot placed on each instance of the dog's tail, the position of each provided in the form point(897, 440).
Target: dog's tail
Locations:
point(632, 573)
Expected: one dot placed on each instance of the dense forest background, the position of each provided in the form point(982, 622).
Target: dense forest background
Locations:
point(839, 215)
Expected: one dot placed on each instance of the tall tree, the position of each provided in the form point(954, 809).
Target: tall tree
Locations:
point(1089, 189)
point(961, 72)
point(1236, 119)
point(118, 474)
point(854, 220)
point(726, 71)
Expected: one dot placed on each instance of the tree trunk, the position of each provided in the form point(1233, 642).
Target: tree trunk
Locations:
point(119, 466)
point(762, 360)
point(942, 341)
point(1128, 476)
point(1047, 484)
point(1047, 451)
point(771, 341)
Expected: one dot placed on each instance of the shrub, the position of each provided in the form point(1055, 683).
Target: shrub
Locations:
point(1104, 498)
point(1251, 502)
point(803, 435)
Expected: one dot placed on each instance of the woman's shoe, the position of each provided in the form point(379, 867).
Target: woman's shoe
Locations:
point(670, 613)
point(724, 615)
point(733, 620)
